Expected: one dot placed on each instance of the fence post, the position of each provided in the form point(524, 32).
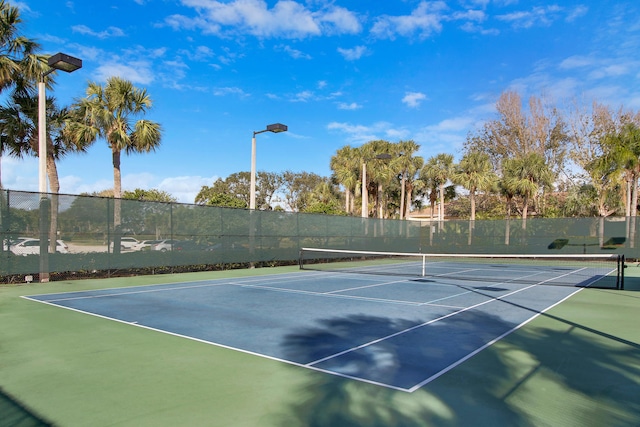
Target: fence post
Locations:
point(45, 209)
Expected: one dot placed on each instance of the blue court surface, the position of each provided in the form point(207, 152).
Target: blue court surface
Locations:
point(394, 332)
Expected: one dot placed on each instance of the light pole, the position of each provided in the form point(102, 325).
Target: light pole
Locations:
point(63, 62)
point(275, 128)
point(365, 193)
point(69, 64)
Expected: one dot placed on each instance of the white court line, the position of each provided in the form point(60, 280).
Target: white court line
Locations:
point(162, 287)
point(310, 365)
point(246, 283)
point(528, 276)
point(277, 359)
point(333, 295)
point(395, 334)
point(489, 344)
point(404, 331)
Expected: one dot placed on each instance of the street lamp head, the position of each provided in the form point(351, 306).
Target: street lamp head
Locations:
point(64, 62)
point(277, 128)
point(384, 156)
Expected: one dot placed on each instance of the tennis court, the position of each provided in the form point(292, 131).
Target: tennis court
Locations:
point(392, 330)
point(386, 351)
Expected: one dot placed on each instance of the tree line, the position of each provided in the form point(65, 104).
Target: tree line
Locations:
point(531, 158)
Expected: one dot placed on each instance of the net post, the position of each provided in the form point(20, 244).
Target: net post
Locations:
point(300, 252)
point(621, 275)
point(618, 270)
point(424, 263)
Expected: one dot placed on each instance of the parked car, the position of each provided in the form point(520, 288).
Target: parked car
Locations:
point(145, 245)
point(165, 245)
point(176, 245)
point(32, 247)
point(127, 243)
point(7, 243)
point(188, 245)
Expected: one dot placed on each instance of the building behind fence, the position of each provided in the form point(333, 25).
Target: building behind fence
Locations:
point(184, 237)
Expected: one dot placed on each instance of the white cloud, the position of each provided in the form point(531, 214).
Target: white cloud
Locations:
point(185, 188)
point(286, 19)
point(577, 12)
point(423, 21)
point(339, 20)
point(354, 53)
point(471, 27)
point(137, 72)
point(413, 99)
point(360, 134)
point(607, 94)
point(352, 106)
point(203, 52)
point(564, 88)
point(394, 135)
point(88, 53)
point(224, 91)
point(108, 33)
point(614, 70)
point(538, 16)
point(22, 175)
point(294, 53)
point(82, 186)
point(446, 136)
point(470, 15)
point(455, 124)
point(303, 96)
point(575, 61)
point(634, 101)
point(142, 180)
point(22, 6)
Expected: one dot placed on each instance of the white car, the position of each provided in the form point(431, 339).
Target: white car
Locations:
point(164, 245)
point(145, 245)
point(127, 244)
point(32, 247)
point(7, 243)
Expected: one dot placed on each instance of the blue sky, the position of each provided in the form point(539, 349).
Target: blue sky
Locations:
point(337, 72)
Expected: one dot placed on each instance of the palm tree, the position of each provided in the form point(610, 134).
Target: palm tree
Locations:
point(525, 176)
point(622, 155)
point(18, 58)
point(365, 154)
point(20, 65)
point(475, 172)
point(408, 165)
point(412, 183)
point(346, 166)
point(19, 124)
point(439, 169)
point(606, 179)
point(381, 174)
point(109, 112)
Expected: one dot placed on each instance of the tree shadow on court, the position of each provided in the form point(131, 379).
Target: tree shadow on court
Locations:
point(488, 389)
point(14, 413)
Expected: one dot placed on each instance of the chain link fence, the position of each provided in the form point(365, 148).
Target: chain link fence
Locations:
point(86, 236)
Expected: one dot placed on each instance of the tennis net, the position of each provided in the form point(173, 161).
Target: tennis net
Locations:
point(590, 270)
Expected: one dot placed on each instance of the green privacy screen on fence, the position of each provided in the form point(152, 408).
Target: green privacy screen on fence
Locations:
point(159, 237)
